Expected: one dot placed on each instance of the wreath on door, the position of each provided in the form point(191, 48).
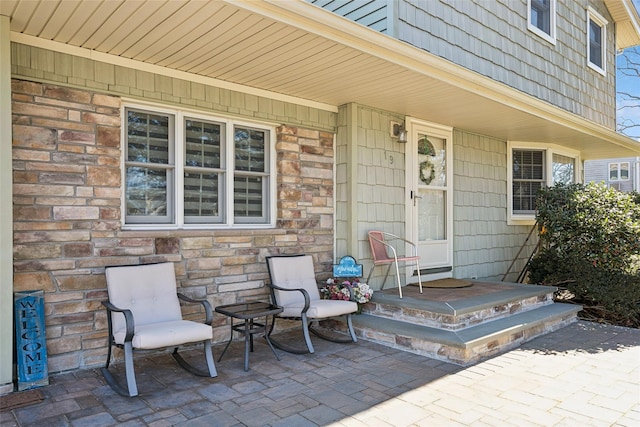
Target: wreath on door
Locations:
point(427, 171)
point(425, 147)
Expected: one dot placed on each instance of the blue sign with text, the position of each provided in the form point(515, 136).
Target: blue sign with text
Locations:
point(31, 346)
point(347, 268)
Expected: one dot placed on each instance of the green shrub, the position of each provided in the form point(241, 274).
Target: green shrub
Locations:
point(590, 244)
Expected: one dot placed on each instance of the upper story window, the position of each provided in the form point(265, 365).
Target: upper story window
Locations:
point(597, 40)
point(531, 167)
point(542, 18)
point(619, 171)
point(185, 170)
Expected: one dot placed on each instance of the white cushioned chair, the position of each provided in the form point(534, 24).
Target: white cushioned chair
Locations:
point(294, 287)
point(143, 313)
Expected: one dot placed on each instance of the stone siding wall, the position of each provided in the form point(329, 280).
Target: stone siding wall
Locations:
point(67, 219)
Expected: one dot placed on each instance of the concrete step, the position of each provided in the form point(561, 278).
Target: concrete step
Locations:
point(460, 313)
point(468, 345)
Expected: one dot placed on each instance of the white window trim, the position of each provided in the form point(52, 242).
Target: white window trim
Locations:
point(551, 38)
point(177, 191)
point(550, 150)
point(618, 170)
point(594, 16)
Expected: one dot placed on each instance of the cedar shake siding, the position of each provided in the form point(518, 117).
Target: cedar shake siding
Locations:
point(492, 38)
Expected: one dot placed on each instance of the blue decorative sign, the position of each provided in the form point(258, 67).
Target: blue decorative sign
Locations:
point(31, 346)
point(347, 268)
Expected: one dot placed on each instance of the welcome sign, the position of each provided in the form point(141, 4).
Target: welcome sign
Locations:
point(347, 268)
point(31, 349)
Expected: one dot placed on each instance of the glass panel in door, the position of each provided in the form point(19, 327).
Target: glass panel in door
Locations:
point(431, 199)
point(431, 215)
point(432, 182)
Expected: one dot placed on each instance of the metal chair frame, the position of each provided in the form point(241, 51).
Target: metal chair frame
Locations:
point(306, 322)
point(132, 389)
point(380, 248)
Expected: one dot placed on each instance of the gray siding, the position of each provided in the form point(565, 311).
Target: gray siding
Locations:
point(484, 245)
point(598, 171)
point(492, 38)
point(371, 13)
point(370, 182)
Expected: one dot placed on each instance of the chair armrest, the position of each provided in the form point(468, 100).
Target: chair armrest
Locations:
point(351, 297)
point(206, 304)
point(350, 288)
point(305, 294)
point(395, 237)
point(128, 320)
point(410, 243)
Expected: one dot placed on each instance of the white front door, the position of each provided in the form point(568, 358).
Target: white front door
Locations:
point(429, 178)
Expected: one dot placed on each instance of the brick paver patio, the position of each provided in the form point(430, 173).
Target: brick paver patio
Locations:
point(583, 375)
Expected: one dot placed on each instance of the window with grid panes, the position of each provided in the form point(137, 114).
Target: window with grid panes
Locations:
point(203, 171)
point(532, 166)
point(528, 179)
point(250, 175)
point(149, 167)
point(182, 170)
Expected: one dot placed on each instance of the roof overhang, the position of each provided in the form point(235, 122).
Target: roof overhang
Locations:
point(298, 52)
point(627, 22)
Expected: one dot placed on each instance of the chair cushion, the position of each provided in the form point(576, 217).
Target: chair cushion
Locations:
point(149, 291)
point(320, 309)
point(293, 273)
point(166, 334)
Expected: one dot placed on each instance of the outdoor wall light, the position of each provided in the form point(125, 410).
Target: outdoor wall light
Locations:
point(398, 131)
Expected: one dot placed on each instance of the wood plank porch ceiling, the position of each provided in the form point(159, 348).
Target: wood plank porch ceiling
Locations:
point(297, 50)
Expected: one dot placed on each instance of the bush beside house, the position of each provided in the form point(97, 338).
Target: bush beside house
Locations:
point(590, 246)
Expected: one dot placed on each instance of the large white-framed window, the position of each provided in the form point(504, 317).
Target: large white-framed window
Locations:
point(185, 169)
point(619, 171)
point(541, 16)
point(596, 41)
point(530, 167)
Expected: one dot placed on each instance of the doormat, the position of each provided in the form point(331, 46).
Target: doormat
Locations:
point(446, 283)
point(18, 400)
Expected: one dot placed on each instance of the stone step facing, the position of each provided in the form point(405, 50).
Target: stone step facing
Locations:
point(470, 345)
point(466, 326)
point(460, 313)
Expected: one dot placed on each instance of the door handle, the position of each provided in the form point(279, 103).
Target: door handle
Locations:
point(415, 196)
